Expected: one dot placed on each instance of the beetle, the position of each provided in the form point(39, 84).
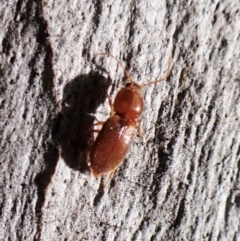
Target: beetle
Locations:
point(117, 132)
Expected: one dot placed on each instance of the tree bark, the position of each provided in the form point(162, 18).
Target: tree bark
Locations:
point(180, 181)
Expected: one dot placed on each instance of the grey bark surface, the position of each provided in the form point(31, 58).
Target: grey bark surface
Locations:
point(180, 181)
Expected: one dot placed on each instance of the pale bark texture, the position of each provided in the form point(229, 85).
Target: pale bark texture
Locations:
point(180, 181)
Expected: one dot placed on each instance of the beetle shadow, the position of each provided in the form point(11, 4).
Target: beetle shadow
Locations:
point(164, 152)
point(81, 98)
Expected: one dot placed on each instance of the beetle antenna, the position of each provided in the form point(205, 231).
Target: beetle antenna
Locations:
point(120, 63)
point(166, 75)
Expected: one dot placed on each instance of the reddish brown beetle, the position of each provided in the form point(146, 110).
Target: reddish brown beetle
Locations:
point(113, 140)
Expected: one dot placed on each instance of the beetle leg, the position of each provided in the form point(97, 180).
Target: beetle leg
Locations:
point(96, 131)
point(139, 131)
point(110, 177)
point(110, 103)
point(96, 124)
point(93, 137)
